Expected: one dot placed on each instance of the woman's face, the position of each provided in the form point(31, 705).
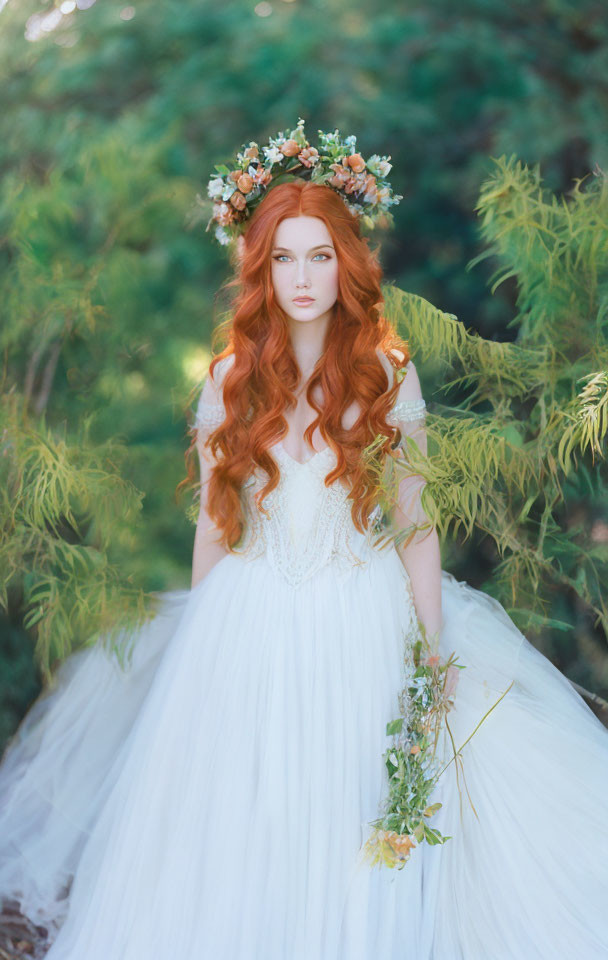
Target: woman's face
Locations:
point(304, 264)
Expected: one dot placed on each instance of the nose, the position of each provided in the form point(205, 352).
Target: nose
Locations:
point(302, 275)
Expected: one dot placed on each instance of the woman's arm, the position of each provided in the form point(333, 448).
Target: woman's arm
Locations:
point(422, 561)
point(207, 549)
point(419, 551)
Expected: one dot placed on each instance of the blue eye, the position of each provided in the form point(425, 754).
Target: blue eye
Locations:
point(280, 256)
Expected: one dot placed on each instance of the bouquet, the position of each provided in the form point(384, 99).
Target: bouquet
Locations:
point(411, 760)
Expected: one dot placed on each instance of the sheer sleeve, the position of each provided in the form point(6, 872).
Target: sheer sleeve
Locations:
point(409, 415)
point(416, 539)
point(209, 414)
point(210, 410)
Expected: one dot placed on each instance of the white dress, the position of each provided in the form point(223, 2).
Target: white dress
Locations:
point(211, 801)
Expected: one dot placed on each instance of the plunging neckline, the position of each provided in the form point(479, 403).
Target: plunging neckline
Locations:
point(302, 463)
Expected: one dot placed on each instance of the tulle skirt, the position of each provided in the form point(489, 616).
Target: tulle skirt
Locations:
point(211, 800)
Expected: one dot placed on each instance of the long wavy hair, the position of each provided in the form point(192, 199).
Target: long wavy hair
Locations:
point(259, 384)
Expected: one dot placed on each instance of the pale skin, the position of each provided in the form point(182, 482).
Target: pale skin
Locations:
point(304, 263)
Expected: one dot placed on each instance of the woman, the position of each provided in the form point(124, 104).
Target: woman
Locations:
point(213, 801)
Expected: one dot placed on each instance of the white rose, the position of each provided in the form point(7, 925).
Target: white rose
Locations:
point(215, 187)
point(380, 168)
point(273, 154)
point(223, 237)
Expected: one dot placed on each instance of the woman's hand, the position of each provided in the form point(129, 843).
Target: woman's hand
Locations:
point(451, 680)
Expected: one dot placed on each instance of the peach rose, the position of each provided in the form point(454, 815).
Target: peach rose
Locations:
point(223, 214)
point(354, 184)
point(307, 156)
point(251, 152)
point(245, 183)
point(356, 162)
point(234, 175)
point(238, 201)
point(340, 177)
point(370, 186)
point(262, 176)
point(290, 148)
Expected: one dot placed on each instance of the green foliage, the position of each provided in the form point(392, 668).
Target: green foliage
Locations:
point(107, 131)
point(544, 398)
point(65, 510)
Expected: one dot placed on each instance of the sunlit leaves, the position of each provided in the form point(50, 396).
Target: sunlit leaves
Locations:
point(65, 509)
point(534, 409)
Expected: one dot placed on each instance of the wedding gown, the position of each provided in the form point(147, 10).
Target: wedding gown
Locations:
point(211, 801)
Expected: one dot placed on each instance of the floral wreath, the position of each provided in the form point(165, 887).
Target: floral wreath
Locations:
point(335, 162)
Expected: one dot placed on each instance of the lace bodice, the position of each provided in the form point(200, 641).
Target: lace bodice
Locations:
point(308, 525)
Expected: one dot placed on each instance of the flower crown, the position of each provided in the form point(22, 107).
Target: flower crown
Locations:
point(361, 183)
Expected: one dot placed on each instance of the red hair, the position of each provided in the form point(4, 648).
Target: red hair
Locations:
point(259, 385)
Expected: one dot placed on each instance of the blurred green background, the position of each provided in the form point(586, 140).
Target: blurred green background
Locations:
point(112, 118)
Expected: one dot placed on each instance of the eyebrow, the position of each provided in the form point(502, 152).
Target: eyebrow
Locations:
point(318, 247)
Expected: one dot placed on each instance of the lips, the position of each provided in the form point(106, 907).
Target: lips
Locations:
point(303, 300)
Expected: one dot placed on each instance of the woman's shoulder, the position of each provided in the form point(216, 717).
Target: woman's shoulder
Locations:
point(220, 370)
point(211, 394)
point(210, 410)
point(397, 361)
point(223, 366)
point(409, 404)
